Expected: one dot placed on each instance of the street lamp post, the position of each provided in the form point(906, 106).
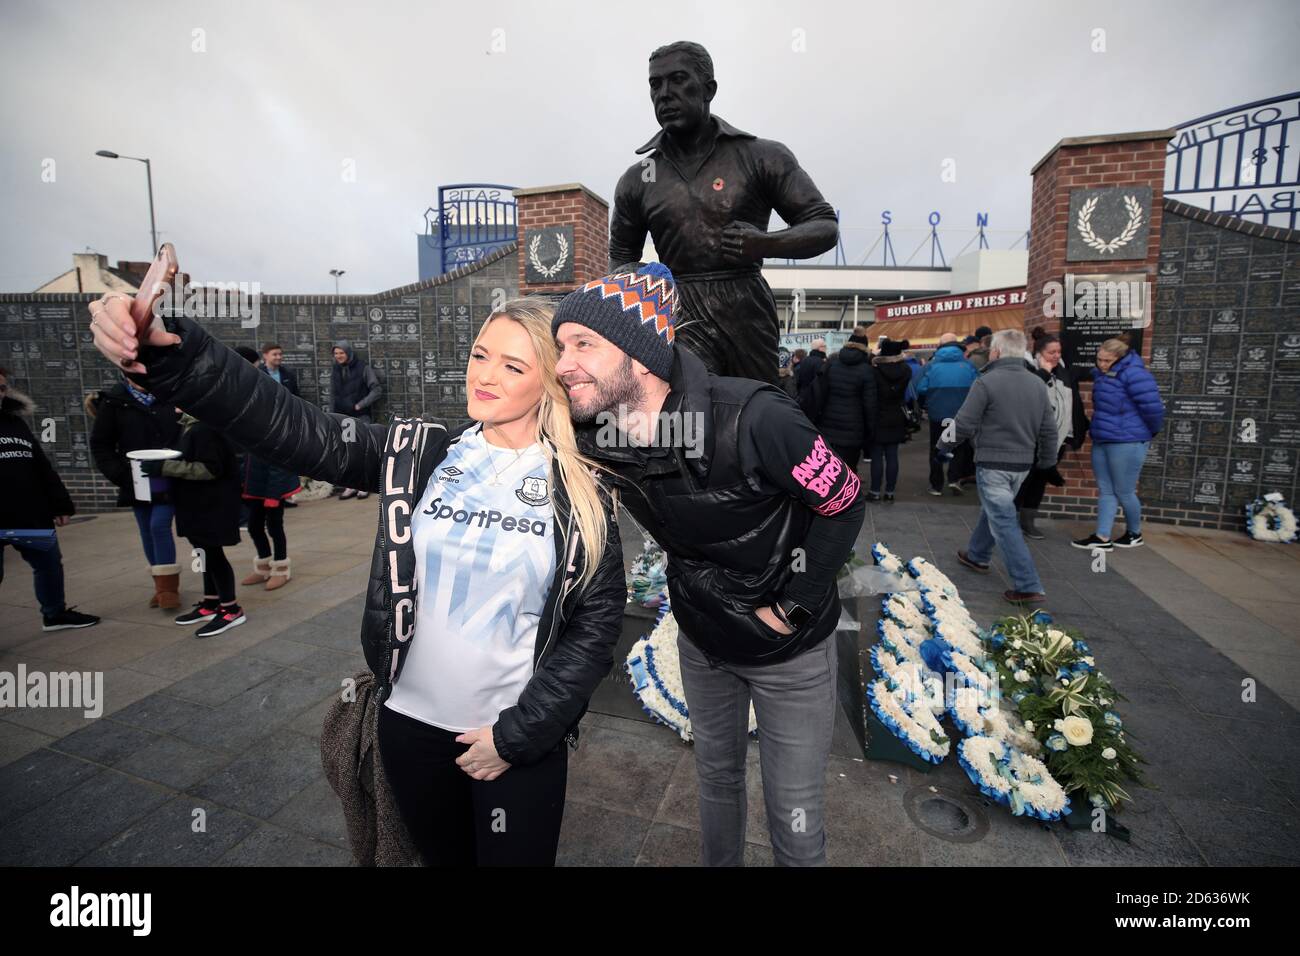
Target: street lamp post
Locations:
point(148, 172)
point(336, 273)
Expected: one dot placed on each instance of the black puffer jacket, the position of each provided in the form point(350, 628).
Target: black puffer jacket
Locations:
point(850, 399)
point(756, 508)
point(579, 625)
point(892, 377)
point(121, 425)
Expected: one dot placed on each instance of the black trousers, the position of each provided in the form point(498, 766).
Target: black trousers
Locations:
point(884, 464)
point(218, 575)
point(262, 520)
point(455, 820)
point(962, 465)
point(729, 322)
point(1034, 486)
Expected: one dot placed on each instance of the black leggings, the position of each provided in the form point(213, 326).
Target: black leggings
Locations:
point(884, 458)
point(218, 575)
point(261, 520)
point(455, 820)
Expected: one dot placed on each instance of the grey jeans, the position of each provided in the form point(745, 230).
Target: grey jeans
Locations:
point(794, 703)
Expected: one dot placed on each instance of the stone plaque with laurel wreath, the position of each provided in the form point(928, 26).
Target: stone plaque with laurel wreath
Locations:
point(548, 254)
point(1109, 223)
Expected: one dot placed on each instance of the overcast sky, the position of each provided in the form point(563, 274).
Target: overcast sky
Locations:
point(249, 136)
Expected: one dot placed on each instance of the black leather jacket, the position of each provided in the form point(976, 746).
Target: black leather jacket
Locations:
point(580, 625)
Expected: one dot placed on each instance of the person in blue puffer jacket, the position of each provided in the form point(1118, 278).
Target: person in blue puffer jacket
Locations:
point(942, 387)
point(1126, 414)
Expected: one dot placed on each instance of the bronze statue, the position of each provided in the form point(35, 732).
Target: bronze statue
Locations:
point(706, 194)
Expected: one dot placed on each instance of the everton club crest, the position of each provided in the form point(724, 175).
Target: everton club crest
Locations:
point(533, 492)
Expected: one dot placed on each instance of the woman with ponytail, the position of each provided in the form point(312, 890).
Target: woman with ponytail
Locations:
point(1071, 424)
point(497, 589)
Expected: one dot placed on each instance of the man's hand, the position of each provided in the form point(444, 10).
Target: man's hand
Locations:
point(60, 521)
point(743, 242)
point(151, 469)
point(481, 761)
point(768, 616)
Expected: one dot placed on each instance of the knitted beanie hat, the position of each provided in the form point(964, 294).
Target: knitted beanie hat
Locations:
point(634, 310)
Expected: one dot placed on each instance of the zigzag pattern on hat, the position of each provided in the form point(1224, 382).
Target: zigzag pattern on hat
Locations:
point(653, 297)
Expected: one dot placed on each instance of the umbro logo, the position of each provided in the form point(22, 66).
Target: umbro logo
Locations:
point(450, 474)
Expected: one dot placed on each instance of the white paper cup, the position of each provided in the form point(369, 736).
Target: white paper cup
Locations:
point(139, 480)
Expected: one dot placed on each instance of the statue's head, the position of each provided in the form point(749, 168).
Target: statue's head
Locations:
point(681, 86)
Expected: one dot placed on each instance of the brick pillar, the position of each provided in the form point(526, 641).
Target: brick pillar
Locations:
point(1088, 162)
point(568, 220)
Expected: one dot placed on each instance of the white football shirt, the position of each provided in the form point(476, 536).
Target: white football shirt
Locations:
point(484, 559)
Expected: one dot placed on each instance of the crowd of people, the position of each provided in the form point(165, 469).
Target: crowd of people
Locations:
point(206, 494)
point(991, 425)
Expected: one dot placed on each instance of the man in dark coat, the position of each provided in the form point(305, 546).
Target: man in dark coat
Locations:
point(850, 401)
point(805, 374)
point(889, 429)
point(34, 502)
point(354, 389)
point(705, 194)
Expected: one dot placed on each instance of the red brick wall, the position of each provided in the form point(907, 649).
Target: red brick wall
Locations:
point(1092, 165)
point(589, 216)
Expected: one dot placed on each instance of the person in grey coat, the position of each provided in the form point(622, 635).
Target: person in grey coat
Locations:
point(1010, 421)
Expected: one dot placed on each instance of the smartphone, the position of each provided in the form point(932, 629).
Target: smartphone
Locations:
point(161, 274)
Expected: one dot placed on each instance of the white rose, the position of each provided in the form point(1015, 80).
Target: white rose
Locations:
point(1077, 730)
point(1021, 676)
point(1108, 753)
point(1029, 726)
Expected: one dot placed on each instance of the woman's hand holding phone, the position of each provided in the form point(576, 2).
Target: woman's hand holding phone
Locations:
point(121, 325)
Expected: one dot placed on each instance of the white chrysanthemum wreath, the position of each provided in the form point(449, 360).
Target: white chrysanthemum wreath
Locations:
point(1269, 519)
point(655, 670)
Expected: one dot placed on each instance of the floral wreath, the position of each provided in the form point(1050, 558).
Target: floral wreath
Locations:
point(655, 671)
point(1269, 519)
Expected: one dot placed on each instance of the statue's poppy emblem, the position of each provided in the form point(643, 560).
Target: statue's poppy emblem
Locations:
point(718, 184)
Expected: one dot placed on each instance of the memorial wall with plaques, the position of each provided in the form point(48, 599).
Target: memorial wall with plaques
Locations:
point(1225, 352)
point(417, 338)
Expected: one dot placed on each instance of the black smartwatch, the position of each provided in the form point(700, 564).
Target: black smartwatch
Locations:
point(793, 613)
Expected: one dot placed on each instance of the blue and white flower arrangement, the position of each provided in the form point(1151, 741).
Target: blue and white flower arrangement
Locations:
point(655, 671)
point(1269, 519)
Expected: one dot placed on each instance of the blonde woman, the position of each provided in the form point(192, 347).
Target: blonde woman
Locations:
point(1127, 413)
point(496, 590)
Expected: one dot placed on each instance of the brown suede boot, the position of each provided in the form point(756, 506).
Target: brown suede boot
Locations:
point(261, 571)
point(167, 586)
point(153, 601)
point(279, 575)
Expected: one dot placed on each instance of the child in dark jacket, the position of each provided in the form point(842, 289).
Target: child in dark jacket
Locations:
point(205, 490)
